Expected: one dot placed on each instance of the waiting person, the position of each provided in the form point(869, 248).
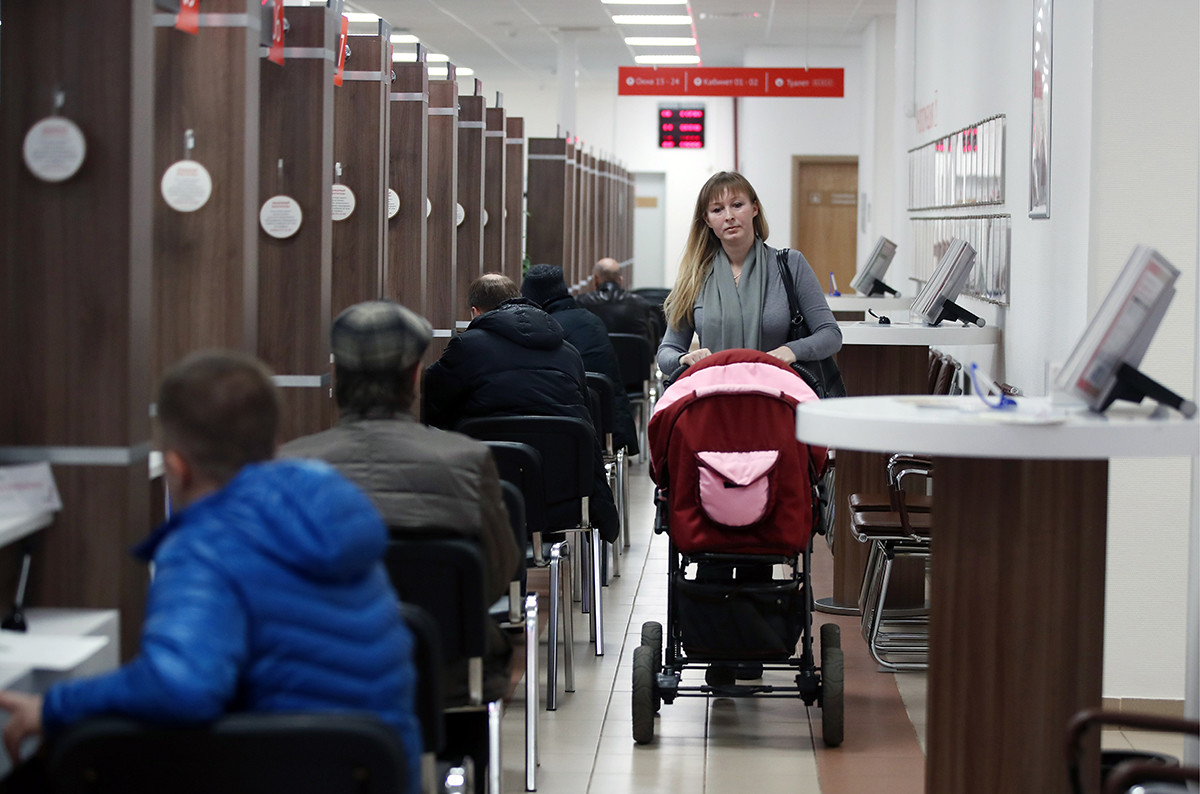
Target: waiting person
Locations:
point(512, 360)
point(729, 291)
point(269, 594)
point(622, 311)
point(422, 479)
point(545, 286)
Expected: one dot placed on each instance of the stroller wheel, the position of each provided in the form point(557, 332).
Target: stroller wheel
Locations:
point(643, 694)
point(832, 685)
point(652, 637)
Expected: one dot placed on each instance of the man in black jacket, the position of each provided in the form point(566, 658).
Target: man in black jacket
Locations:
point(545, 286)
point(512, 360)
point(622, 311)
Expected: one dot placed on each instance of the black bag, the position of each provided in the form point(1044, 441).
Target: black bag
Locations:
point(822, 376)
point(733, 620)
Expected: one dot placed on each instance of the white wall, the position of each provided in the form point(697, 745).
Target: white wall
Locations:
point(877, 190)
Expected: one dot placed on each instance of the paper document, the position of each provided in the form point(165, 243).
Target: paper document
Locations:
point(53, 652)
point(28, 489)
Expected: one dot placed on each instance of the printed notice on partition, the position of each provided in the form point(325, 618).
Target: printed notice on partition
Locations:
point(28, 489)
point(280, 217)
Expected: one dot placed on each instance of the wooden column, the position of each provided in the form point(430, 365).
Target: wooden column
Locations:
point(294, 273)
point(75, 308)
point(404, 277)
point(206, 260)
point(494, 187)
point(551, 201)
point(514, 197)
point(469, 251)
point(443, 192)
point(360, 145)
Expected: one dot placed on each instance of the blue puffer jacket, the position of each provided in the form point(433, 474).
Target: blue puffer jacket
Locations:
point(268, 595)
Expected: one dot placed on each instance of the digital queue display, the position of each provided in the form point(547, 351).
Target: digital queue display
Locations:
point(681, 127)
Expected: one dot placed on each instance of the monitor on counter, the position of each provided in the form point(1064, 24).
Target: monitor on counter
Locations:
point(935, 301)
point(1103, 365)
point(869, 280)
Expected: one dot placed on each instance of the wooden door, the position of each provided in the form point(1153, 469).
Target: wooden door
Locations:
point(825, 198)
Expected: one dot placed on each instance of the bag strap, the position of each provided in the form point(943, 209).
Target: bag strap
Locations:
point(797, 322)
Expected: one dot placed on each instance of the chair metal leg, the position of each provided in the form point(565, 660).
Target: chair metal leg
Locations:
point(584, 569)
point(568, 626)
point(597, 612)
point(623, 487)
point(495, 711)
point(557, 592)
point(531, 691)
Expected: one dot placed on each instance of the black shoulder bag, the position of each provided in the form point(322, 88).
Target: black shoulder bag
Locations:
point(822, 376)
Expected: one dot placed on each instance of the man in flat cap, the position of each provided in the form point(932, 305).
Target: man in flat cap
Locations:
point(420, 478)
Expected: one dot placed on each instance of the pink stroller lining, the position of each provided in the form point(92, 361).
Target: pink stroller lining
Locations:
point(735, 487)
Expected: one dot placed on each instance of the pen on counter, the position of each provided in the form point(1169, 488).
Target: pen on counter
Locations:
point(833, 290)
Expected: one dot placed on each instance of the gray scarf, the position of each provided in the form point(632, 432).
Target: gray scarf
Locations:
point(733, 311)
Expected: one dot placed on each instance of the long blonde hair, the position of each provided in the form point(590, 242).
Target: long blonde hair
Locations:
point(703, 244)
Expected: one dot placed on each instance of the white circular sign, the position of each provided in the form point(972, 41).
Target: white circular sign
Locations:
point(343, 202)
point(460, 214)
point(280, 216)
point(393, 203)
point(186, 186)
point(54, 149)
point(428, 207)
point(485, 217)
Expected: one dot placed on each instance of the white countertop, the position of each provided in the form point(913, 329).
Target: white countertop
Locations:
point(13, 528)
point(860, 303)
point(899, 334)
point(962, 426)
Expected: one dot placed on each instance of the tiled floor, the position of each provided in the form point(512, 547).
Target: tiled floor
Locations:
point(721, 744)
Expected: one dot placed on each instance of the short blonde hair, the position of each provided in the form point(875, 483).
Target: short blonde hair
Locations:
point(702, 244)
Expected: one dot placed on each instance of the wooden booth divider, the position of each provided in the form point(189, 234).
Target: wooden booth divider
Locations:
point(405, 274)
point(360, 153)
point(469, 249)
point(494, 189)
point(551, 202)
point(443, 193)
point(514, 197)
point(295, 270)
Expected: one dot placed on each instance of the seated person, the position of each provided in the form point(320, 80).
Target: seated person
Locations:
point(512, 360)
point(544, 285)
point(422, 480)
point(622, 311)
point(269, 593)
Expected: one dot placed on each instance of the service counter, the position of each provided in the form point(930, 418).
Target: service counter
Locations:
point(1018, 568)
point(854, 307)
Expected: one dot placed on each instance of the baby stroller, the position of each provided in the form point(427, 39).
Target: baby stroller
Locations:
point(736, 497)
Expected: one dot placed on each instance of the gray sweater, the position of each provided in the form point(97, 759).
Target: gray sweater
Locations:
point(825, 337)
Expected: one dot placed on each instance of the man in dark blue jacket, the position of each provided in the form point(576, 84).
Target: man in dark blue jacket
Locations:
point(512, 360)
point(269, 593)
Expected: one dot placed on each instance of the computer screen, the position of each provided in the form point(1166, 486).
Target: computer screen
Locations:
point(869, 280)
point(1103, 365)
point(935, 301)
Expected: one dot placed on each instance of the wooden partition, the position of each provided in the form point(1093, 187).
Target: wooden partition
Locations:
point(443, 192)
point(75, 311)
point(469, 252)
point(296, 161)
point(360, 145)
point(404, 277)
point(205, 270)
point(514, 197)
point(605, 213)
point(495, 183)
point(551, 201)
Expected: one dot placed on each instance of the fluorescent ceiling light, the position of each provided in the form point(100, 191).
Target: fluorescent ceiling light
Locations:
point(667, 59)
point(660, 41)
point(652, 19)
point(645, 2)
point(464, 71)
point(404, 38)
point(357, 16)
point(404, 57)
point(436, 57)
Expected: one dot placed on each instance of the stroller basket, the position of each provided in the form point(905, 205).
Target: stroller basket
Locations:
point(731, 620)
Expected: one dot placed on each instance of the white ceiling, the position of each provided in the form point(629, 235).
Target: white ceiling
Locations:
point(520, 39)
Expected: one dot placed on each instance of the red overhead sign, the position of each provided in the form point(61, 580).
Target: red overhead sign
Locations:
point(703, 81)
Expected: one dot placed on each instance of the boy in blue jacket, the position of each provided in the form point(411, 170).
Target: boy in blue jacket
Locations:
point(269, 593)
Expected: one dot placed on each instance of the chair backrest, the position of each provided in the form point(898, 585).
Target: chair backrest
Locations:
point(328, 753)
point(427, 658)
point(604, 413)
point(634, 358)
point(566, 444)
point(521, 465)
point(444, 576)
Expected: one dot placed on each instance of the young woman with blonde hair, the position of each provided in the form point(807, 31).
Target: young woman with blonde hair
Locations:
point(729, 289)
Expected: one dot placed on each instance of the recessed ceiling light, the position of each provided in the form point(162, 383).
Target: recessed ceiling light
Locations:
point(357, 16)
point(404, 38)
point(403, 57)
point(437, 57)
point(645, 2)
point(667, 59)
point(660, 41)
point(464, 71)
point(651, 19)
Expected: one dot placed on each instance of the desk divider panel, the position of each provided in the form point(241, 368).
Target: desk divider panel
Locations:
point(405, 274)
point(494, 185)
point(586, 245)
point(294, 273)
point(75, 313)
point(551, 201)
point(514, 197)
point(469, 252)
point(443, 193)
point(605, 210)
point(360, 146)
point(206, 110)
